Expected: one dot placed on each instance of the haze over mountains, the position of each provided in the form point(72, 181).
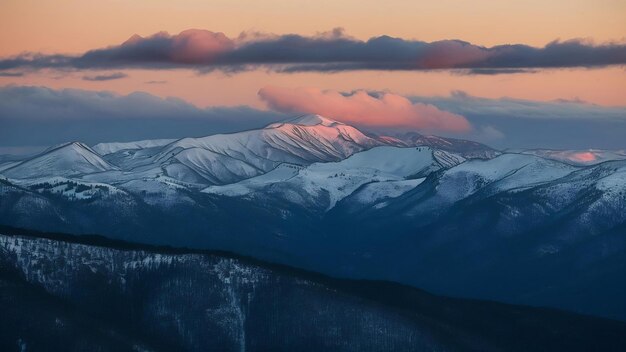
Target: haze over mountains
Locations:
point(450, 216)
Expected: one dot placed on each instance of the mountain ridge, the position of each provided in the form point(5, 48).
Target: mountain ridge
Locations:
point(227, 158)
point(445, 323)
point(420, 215)
point(68, 159)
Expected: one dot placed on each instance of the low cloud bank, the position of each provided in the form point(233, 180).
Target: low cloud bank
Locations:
point(363, 108)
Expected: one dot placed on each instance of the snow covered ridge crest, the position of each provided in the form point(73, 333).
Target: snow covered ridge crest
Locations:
point(222, 158)
point(69, 159)
point(309, 160)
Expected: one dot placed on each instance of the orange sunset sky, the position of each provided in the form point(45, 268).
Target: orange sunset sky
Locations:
point(74, 27)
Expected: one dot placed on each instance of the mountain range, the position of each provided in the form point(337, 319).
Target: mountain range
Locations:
point(450, 216)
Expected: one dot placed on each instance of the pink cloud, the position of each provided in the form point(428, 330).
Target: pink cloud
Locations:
point(359, 107)
point(451, 53)
point(196, 45)
point(192, 46)
point(583, 157)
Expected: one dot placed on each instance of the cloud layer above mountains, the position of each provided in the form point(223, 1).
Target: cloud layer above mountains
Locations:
point(363, 108)
point(39, 116)
point(204, 51)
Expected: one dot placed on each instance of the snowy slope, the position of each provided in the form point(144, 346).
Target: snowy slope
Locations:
point(114, 147)
point(281, 173)
point(330, 182)
point(72, 189)
point(613, 194)
point(377, 191)
point(227, 158)
point(8, 164)
point(478, 179)
point(615, 181)
point(465, 148)
point(71, 159)
point(503, 173)
point(603, 188)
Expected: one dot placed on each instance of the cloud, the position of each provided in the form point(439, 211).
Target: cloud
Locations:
point(362, 108)
point(562, 124)
point(583, 157)
point(40, 116)
point(575, 100)
point(204, 51)
point(11, 74)
point(463, 103)
point(496, 71)
point(491, 133)
point(105, 77)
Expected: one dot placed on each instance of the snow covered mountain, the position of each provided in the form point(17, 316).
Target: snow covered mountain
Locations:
point(110, 148)
point(226, 158)
point(505, 173)
point(70, 159)
point(452, 216)
point(222, 159)
point(468, 149)
point(328, 183)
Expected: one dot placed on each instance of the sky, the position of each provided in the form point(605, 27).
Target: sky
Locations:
point(512, 74)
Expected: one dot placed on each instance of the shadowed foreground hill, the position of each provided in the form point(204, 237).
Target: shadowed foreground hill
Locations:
point(59, 292)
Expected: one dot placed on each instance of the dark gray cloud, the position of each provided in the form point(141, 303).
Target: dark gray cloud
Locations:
point(517, 123)
point(11, 74)
point(496, 71)
point(39, 116)
point(105, 77)
point(205, 51)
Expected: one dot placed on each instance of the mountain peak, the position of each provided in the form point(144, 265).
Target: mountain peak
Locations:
point(65, 145)
point(73, 145)
point(310, 120)
point(69, 159)
point(314, 119)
